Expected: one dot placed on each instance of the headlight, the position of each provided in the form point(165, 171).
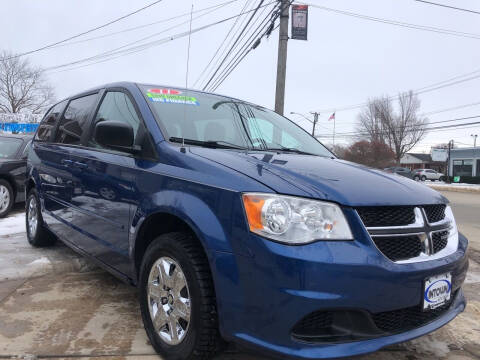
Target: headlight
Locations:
point(293, 220)
point(453, 224)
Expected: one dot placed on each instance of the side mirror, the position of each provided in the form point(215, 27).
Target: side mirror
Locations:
point(115, 135)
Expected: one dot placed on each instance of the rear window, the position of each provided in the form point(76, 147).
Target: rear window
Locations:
point(47, 126)
point(9, 147)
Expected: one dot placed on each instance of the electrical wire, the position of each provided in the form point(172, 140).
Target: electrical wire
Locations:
point(239, 36)
point(243, 51)
point(449, 7)
point(397, 23)
point(249, 47)
point(144, 25)
point(407, 128)
point(221, 45)
point(128, 49)
point(86, 32)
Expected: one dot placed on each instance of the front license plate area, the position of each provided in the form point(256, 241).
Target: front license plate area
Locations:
point(437, 291)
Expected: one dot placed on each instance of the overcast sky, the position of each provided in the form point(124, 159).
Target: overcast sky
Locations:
point(345, 61)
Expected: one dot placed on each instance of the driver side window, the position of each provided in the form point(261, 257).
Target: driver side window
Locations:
point(117, 106)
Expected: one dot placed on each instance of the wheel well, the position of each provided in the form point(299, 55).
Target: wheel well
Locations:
point(154, 226)
point(11, 182)
point(29, 186)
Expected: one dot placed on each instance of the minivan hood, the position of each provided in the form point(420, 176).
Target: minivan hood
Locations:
point(323, 178)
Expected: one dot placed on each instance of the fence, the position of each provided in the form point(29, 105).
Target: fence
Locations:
point(19, 123)
point(18, 128)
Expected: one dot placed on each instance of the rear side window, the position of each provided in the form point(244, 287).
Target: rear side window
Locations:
point(74, 121)
point(47, 126)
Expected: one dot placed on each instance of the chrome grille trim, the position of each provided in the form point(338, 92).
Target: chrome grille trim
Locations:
point(421, 228)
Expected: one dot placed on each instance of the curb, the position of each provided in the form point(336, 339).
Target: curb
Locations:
point(455, 189)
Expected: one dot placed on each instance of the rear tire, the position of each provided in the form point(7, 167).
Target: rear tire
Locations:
point(176, 287)
point(6, 198)
point(424, 178)
point(37, 235)
point(416, 178)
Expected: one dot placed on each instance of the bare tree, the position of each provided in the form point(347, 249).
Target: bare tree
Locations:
point(370, 153)
point(23, 88)
point(401, 131)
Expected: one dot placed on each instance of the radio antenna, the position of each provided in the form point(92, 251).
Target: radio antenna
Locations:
point(186, 74)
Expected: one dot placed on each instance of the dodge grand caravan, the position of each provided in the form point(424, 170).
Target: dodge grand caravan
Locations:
point(237, 225)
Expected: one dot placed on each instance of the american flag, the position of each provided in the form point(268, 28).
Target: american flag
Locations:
point(332, 117)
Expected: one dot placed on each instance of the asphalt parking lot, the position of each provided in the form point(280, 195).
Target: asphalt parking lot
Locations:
point(54, 304)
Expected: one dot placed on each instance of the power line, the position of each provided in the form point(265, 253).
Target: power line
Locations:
point(450, 109)
point(433, 87)
point(397, 23)
point(245, 49)
point(128, 49)
point(433, 122)
point(435, 128)
point(221, 45)
point(449, 6)
point(144, 25)
point(86, 32)
point(238, 38)
point(248, 47)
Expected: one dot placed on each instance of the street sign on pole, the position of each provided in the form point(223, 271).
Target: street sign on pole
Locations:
point(299, 22)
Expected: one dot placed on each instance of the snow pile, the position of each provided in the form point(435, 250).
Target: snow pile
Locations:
point(13, 224)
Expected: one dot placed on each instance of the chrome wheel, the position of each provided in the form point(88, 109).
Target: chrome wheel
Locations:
point(169, 300)
point(4, 198)
point(32, 216)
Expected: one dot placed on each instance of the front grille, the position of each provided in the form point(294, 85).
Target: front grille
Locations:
point(408, 318)
point(378, 216)
point(440, 240)
point(399, 247)
point(435, 213)
point(314, 323)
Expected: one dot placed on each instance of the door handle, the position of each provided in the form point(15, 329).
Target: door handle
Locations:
point(66, 162)
point(80, 164)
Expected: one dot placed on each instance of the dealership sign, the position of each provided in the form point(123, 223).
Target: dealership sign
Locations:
point(439, 155)
point(299, 22)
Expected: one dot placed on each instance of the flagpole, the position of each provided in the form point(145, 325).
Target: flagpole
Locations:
point(334, 119)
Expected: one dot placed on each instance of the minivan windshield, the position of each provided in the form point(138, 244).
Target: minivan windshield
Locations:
point(9, 147)
point(197, 118)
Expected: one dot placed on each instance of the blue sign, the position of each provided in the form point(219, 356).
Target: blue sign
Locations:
point(18, 127)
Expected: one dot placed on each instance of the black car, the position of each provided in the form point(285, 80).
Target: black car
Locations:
point(13, 161)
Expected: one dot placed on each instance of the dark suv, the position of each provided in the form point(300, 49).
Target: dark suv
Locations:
point(238, 225)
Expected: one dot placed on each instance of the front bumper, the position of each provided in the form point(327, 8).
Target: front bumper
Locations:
point(261, 298)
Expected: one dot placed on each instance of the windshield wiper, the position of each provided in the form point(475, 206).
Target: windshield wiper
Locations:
point(211, 143)
point(290, 150)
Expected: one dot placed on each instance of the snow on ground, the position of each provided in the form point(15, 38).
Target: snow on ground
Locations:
point(12, 224)
point(459, 186)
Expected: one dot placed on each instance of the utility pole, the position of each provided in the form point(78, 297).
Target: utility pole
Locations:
point(282, 57)
point(450, 145)
point(474, 140)
point(315, 120)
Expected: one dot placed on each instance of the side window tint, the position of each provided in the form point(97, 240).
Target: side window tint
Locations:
point(47, 126)
point(75, 120)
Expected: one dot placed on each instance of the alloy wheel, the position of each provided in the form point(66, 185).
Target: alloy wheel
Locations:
point(32, 216)
point(169, 300)
point(4, 198)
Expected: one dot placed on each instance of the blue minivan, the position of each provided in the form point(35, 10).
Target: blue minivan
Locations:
point(237, 226)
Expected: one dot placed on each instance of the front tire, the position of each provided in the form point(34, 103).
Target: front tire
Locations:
point(416, 178)
point(424, 178)
point(37, 235)
point(6, 198)
point(177, 299)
